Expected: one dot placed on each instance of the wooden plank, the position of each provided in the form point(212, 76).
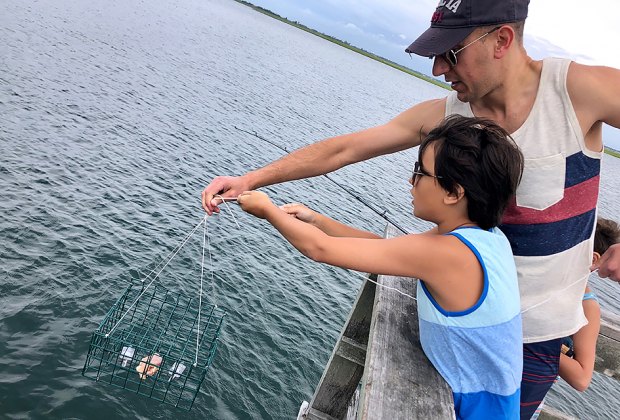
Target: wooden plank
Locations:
point(345, 367)
point(608, 346)
point(550, 413)
point(399, 381)
point(352, 351)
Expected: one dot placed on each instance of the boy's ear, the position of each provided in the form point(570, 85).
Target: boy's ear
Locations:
point(595, 257)
point(453, 198)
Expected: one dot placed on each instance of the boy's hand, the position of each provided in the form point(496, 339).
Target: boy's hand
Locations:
point(255, 202)
point(609, 264)
point(300, 211)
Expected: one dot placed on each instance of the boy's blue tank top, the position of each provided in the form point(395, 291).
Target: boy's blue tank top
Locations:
point(479, 351)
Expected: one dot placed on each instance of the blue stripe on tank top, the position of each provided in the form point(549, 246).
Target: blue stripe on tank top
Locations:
point(473, 357)
point(580, 168)
point(543, 239)
point(484, 405)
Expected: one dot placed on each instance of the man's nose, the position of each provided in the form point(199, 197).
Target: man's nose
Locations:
point(440, 66)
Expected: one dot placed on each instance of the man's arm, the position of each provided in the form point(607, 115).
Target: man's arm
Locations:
point(404, 131)
point(595, 94)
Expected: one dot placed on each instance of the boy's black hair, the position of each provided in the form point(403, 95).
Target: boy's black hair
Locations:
point(483, 159)
point(607, 233)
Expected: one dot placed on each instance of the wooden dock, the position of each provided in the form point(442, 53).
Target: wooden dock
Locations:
point(378, 369)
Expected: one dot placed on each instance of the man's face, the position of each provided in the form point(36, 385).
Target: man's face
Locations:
point(472, 62)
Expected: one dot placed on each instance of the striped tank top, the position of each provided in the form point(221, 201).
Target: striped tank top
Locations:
point(479, 351)
point(550, 223)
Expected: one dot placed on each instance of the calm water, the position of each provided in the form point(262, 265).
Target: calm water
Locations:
point(115, 115)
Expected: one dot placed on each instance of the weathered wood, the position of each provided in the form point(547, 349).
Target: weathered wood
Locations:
point(353, 406)
point(399, 381)
point(550, 413)
point(345, 367)
point(608, 346)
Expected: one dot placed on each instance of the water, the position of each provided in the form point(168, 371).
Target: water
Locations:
point(115, 117)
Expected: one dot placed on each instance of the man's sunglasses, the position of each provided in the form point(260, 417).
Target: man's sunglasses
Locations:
point(418, 172)
point(450, 55)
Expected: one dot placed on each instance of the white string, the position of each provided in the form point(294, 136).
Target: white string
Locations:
point(522, 311)
point(181, 243)
point(211, 267)
point(202, 270)
point(154, 278)
point(229, 209)
point(205, 240)
point(367, 277)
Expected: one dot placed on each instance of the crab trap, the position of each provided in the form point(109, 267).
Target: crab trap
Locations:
point(147, 344)
point(155, 343)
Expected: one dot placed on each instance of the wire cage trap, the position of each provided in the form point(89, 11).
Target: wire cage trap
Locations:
point(155, 343)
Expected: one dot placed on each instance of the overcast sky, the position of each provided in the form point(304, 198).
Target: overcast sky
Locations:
point(586, 31)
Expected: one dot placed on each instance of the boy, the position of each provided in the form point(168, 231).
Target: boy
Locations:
point(468, 297)
point(577, 360)
point(579, 351)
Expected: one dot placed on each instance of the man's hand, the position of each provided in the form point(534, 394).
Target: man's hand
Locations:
point(257, 203)
point(300, 211)
point(609, 264)
point(227, 187)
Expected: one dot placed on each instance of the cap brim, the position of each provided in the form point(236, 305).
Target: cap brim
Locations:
point(436, 41)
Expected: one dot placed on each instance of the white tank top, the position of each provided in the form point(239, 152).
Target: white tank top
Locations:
point(550, 224)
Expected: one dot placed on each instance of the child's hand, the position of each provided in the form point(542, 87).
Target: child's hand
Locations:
point(300, 211)
point(255, 202)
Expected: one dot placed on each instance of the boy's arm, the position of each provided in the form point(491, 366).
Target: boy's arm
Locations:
point(404, 131)
point(578, 370)
point(381, 256)
point(330, 226)
point(333, 228)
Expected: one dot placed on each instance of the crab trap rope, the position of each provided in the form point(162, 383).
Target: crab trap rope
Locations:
point(155, 342)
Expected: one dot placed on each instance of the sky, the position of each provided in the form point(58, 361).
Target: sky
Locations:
point(585, 31)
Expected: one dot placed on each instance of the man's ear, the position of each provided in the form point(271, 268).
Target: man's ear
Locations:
point(595, 257)
point(454, 198)
point(504, 38)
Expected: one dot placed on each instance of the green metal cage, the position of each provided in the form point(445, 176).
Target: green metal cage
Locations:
point(155, 343)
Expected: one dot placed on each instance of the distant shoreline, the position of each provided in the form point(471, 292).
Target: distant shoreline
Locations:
point(608, 150)
point(612, 152)
point(347, 45)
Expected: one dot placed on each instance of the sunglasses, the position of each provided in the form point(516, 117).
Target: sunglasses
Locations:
point(450, 55)
point(418, 173)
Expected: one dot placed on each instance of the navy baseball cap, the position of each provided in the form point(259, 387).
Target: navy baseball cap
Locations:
point(454, 20)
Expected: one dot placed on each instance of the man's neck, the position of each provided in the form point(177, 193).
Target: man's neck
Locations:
point(511, 100)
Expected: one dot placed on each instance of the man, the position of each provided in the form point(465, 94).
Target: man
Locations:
point(554, 109)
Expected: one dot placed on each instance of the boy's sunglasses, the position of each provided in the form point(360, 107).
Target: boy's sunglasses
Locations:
point(418, 172)
point(450, 55)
